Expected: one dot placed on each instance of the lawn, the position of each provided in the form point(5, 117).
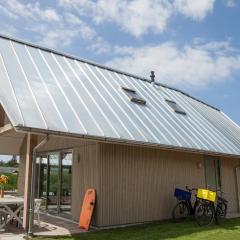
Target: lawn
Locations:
point(230, 230)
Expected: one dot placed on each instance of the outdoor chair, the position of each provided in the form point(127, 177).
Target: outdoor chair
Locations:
point(38, 203)
point(3, 216)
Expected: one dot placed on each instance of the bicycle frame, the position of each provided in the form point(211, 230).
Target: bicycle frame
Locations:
point(191, 206)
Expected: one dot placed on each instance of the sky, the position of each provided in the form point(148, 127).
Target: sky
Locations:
point(193, 45)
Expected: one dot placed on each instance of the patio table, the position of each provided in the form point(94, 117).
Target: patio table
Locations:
point(5, 207)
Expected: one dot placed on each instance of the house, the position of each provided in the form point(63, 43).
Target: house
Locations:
point(89, 126)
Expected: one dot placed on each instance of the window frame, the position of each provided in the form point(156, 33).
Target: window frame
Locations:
point(175, 107)
point(133, 96)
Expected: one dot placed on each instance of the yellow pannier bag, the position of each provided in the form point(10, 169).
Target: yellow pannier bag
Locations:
point(206, 195)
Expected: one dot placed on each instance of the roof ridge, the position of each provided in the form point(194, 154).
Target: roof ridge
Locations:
point(101, 66)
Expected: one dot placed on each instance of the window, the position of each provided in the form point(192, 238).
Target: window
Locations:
point(175, 107)
point(133, 96)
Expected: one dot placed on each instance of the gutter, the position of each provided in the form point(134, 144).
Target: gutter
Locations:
point(32, 193)
point(104, 139)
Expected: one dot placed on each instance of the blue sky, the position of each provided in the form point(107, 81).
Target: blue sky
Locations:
point(193, 45)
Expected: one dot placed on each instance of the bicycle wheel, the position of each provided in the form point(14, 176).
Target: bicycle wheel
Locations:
point(180, 212)
point(221, 212)
point(204, 213)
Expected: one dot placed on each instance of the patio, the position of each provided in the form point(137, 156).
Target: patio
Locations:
point(50, 226)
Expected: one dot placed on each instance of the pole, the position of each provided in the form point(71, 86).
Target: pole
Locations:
point(32, 190)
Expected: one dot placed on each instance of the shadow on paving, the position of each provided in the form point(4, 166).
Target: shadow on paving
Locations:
point(159, 231)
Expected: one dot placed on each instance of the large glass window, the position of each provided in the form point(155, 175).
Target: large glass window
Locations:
point(54, 181)
point(66, 183)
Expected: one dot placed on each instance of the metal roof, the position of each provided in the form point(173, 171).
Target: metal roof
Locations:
point(47, 91)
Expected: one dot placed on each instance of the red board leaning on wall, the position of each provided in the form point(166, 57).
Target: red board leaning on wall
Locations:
point(87, 209)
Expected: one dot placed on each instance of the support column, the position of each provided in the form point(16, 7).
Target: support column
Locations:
point(31, 143)
point(22, 167)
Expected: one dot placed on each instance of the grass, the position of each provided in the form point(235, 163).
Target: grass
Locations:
point(230, 230)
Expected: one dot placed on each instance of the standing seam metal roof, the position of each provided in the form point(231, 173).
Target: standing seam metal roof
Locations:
point(49, 91)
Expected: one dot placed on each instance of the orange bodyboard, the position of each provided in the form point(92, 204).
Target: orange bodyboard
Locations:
point(87, 209)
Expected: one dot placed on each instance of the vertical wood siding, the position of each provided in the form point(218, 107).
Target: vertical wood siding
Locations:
point(85, 175)
point(134, 184)
point(2, 116)
point(229, 182)
point(137, 184)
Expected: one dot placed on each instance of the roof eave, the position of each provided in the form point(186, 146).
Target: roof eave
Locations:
point(121, 141)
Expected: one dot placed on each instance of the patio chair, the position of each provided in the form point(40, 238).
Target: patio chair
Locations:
point(3, 216)
point(37, 206)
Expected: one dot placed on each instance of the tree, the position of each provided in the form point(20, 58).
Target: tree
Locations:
point(12, 163)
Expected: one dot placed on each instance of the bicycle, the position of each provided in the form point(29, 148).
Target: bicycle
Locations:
point(206, 212)
point(184, 208)
point(221, 209)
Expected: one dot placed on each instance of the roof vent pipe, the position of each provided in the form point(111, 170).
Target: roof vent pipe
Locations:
point(152, 76)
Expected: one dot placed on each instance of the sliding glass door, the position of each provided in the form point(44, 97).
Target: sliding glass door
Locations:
point(53, 181)
point(66, 182)
point(54, 185)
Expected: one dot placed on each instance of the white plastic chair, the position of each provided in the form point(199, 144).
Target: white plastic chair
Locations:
point(37, 206)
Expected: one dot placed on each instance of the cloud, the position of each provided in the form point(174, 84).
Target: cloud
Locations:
point(231, 3)
point(29, 10)
point(8, 29)
point(138, 17)
point(99, 46)
point(46, 24)
point(191, 66)
point(196, 9)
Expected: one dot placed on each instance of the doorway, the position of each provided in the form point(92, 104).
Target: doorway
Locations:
point(213, 173)
point(54, 182)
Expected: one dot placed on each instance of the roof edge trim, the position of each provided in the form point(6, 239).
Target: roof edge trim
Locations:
point(122, 141)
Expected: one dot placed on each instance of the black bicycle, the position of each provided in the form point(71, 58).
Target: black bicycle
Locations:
point(221, 208)
point(184, 208)
point(204, 212)
point(209, 209)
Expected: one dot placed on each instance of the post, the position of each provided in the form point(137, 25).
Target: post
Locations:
point(31, 143)
point(32, 187)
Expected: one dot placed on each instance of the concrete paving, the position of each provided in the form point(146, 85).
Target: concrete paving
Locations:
point(50, 226)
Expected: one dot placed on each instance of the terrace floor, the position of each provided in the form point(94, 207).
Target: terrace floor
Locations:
point(50, 226)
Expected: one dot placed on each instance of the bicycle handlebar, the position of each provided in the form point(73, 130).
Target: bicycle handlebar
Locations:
point(191, 189)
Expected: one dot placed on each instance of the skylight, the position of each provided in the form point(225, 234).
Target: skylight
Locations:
point(133, 96)
point(175, 107)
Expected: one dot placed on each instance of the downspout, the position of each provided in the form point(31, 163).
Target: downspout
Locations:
point(32, 193)
point(238, 187)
